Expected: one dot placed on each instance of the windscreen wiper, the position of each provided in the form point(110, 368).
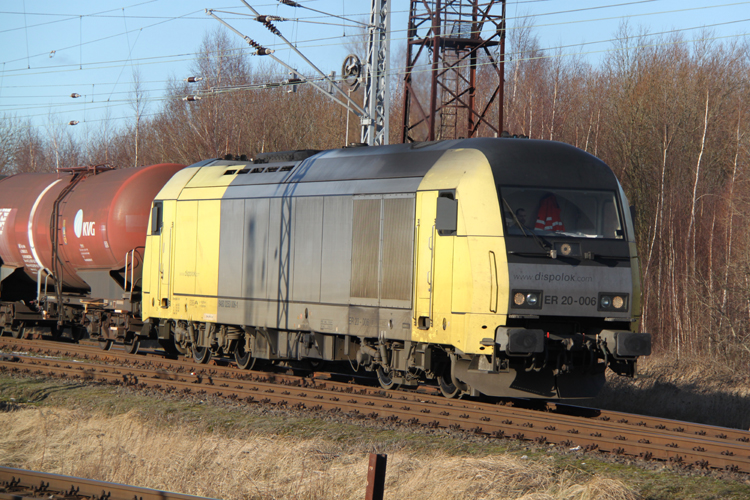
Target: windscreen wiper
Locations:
point(549, 251)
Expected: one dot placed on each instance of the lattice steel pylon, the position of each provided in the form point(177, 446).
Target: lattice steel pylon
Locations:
point(449, 40)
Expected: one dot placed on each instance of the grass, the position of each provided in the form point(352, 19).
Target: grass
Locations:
point(232, 451)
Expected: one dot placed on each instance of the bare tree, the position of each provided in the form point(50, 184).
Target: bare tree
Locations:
point(138, 102)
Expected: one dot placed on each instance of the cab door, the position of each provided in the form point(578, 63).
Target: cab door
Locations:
point(436, 228)
point(425, 252)
point(166, 231)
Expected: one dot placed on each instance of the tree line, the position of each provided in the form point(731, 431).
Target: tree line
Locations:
point(670, 115)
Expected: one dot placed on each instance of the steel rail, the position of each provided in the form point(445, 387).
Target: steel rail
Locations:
point(16, 484)
point(543, 427)
point(327, 380)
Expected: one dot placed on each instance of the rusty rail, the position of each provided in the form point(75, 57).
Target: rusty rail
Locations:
point(686, 443)
point(16, 484)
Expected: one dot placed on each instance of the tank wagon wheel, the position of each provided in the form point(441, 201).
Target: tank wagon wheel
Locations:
point(201, 355)
point(243, 358)
point(133, 346)
point(19, 332)
point(105, 344)
point(56, 332)
point(385, 380)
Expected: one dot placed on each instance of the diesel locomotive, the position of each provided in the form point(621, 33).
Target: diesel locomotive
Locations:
point(503, 267)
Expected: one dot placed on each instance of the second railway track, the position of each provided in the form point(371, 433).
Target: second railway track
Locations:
point(689, 444)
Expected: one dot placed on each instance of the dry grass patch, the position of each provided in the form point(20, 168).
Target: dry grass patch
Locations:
point(126, 449)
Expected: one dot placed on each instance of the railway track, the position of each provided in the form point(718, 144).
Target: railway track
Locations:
point(688, 444)
point(17, 484)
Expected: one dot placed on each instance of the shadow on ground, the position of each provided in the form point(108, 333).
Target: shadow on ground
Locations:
point(686, 390)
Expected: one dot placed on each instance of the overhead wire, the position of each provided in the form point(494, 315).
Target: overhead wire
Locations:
point(306, 44)
point(192, 56)
point(541, 57)
point(262, 86)
point(167, 19)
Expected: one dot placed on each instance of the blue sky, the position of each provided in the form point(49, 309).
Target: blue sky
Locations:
point(51, 49)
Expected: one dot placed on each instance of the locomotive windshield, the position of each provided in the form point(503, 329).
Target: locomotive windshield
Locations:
point(570, 213)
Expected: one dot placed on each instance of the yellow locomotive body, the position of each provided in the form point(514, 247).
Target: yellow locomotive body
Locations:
point(401, 260)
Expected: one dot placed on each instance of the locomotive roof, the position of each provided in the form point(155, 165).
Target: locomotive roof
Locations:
point(514, 162)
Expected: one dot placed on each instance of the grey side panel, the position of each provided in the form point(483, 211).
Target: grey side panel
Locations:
point(336, 262)
point(372, 163)
point(398, 240)
point(325, 188)
point(307, 242)
point(281, 223)
point(272, 258)
point(256, 261)
point(365, 251)
point(231, 239)
point(231, 311)
point(260, 313)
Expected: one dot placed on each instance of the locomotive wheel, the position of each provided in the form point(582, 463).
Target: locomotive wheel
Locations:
point(105, 345)
point(179, 347)
point(201, 355)
point(133, 346)
point(385, 381)
point(243, 358)
point(18, 333)
point(447, 387)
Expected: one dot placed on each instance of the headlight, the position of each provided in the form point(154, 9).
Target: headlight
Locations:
point(527, 299)
point(613, 302)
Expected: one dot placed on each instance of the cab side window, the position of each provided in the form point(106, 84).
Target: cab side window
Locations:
point(157, 212)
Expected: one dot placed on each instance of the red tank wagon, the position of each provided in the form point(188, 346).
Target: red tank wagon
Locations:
point(86, 227)
point(102, 217)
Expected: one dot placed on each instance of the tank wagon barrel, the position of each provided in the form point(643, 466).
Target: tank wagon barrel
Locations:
point(75, 232)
